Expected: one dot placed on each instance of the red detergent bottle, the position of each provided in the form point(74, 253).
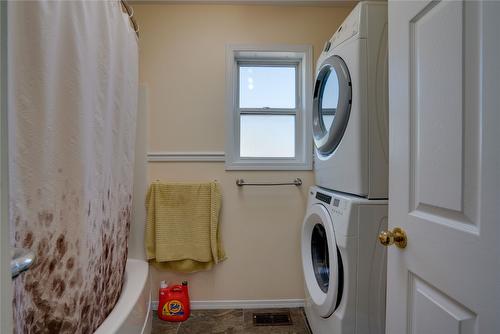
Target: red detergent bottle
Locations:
point(174, 302)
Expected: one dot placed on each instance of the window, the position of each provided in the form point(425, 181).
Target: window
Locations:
point(268, 108)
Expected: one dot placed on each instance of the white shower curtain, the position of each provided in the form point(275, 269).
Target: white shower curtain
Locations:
point(72, 97)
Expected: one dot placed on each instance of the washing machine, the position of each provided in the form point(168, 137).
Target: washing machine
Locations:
point(344, 265)
point(350, 105)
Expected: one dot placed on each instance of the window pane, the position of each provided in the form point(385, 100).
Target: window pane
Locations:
point(330, 99)
point(267, 136)
point(320, 257)
point(267, 87)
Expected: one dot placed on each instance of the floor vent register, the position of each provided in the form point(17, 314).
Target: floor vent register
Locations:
point(272, 319)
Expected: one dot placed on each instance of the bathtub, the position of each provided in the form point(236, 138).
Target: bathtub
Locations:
point(132, 313)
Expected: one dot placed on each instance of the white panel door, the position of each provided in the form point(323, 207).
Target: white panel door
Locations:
point(444, 183)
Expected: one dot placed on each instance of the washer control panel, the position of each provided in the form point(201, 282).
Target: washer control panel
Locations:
point(324, 197)
point(336, 204)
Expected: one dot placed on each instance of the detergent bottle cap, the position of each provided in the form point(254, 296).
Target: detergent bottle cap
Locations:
point(163, 284)
point(184, 282)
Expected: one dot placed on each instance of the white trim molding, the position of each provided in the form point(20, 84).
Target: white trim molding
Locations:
point(241, 304)
point(186, 156)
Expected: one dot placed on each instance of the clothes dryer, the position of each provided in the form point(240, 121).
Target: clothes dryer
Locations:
point(350, 106)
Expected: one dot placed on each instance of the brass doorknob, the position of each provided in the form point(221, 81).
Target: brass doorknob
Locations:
point(397, 236)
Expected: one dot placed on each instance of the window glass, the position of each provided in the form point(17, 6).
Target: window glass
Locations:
point(330, 99)
point(267, 86)
point(267, 136)
point(320, 257)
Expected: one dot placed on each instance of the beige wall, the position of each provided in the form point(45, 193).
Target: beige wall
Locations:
point(182, 50)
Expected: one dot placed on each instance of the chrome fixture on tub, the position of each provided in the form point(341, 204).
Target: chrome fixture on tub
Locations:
point(22, 260)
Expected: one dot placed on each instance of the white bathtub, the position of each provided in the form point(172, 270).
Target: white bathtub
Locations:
point(132, 313)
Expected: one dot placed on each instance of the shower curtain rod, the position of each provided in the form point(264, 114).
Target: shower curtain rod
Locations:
point(130, 12)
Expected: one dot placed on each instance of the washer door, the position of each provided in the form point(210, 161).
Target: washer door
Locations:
point(331, 105)
point(320, 261)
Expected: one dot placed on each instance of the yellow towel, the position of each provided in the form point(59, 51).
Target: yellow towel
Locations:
point(182, 228)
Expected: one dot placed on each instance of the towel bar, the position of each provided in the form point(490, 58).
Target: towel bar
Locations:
point(296, 182)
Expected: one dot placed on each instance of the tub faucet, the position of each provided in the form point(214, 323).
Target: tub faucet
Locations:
point(22, 260)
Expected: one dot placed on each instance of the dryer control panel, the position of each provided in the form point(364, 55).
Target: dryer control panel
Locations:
point(349, 28)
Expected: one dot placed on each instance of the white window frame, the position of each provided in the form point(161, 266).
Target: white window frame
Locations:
point(268, 55)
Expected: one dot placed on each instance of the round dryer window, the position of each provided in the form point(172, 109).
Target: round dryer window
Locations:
point(321, 261)
point(332, 104)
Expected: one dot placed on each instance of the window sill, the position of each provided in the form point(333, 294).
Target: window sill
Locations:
point(305, 166)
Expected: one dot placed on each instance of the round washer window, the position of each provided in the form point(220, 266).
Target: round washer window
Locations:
point(332, 104)
point(320, 258)
point(321, 262)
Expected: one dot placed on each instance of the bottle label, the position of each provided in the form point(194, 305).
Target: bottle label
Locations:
point(173, 307)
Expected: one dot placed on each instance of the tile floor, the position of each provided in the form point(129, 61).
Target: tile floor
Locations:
point(230, 322)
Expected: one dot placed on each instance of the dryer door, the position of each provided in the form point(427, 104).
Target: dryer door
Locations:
point(331, 105)
point(321, 261)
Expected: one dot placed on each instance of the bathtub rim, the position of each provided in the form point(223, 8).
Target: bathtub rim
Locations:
point(133, 288)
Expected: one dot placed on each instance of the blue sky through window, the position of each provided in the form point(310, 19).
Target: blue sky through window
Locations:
point(267, 86)
point(330, 99)
point(331, 91)
point(267, 136)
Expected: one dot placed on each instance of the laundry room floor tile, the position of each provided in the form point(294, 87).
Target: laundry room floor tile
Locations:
point(163, 327)
point(213, 321)
point(236, 321)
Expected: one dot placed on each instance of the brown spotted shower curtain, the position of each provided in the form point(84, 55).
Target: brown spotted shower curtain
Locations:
point(72, 97)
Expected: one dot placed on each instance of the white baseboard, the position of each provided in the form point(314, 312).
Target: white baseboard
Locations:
point(243, 304)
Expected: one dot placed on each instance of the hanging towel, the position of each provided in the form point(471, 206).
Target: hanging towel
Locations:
point(182, 228)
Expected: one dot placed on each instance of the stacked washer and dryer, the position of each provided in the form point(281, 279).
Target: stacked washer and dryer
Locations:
point(344, 266)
